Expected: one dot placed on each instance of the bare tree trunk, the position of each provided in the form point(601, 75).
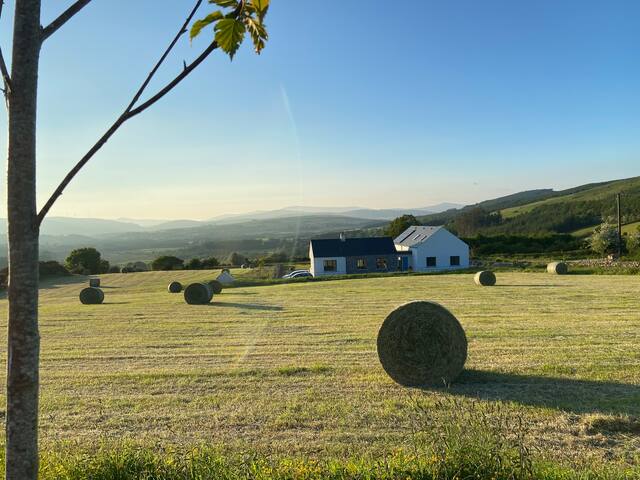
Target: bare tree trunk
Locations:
point(24, 339)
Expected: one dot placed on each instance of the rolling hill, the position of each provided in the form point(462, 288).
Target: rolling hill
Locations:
point(547, 211)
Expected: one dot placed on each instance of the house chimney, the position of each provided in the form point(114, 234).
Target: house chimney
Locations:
point(343, 237)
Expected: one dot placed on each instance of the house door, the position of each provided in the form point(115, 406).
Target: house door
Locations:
point(405, 263)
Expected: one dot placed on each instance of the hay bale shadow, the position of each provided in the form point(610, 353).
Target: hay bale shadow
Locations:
point(540, 285)
point(247, 306)
point(567, 394)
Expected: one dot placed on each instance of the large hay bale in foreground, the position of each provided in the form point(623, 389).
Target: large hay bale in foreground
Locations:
point(422, 344)
point(198, 294)
point(94, 282)
point(216, 286)
point(558, 268)
point(175, 287)
point(91, 296)
point(485, 278)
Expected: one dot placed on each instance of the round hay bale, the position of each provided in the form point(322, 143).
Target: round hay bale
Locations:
point(175, 287)
point(485, 278)
point(216, 286)
point(558, 268)
point(94, 282)
point(422, 344)
point(91, 296)
point(198, 294)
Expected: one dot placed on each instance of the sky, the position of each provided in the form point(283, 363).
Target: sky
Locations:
point(372, 104)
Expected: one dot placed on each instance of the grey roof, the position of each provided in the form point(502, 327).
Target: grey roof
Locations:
point(415, 235)
point(353, 247)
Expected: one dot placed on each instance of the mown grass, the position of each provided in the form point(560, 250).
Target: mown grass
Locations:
point(290, 373)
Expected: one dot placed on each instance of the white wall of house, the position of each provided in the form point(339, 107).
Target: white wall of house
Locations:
point(442, 245)
point(317, 266)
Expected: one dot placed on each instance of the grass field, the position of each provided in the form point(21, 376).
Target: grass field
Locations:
point(292, 370)
point(629, 228)
point(600, 192)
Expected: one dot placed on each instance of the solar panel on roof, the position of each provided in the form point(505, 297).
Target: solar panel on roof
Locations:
point(407, 235)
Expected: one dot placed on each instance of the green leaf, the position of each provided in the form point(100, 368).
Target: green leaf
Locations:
point(229, 35)
point(197, 26)
point(258, 33)
point(225, 3)
point(261, 5)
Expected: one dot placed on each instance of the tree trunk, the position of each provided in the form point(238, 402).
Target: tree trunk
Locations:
point(23, 336)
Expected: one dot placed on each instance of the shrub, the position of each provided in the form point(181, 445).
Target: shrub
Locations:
point(633, 242)
point(85, 259)
point(209, 263)
point(167, 262)
point(104, 266)
point(193, 264)
point(236, 259)
point(53, 269)
point(399, 225)
point(604, 239)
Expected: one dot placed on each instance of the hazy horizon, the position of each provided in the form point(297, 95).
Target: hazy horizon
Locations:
point(470, 101)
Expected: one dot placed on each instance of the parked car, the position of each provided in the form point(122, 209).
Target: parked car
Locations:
point(301, 274)
point(298, 273)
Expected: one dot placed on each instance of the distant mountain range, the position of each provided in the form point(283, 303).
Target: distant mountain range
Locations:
point(63, 226)
point(353, 212)
point(532, 212)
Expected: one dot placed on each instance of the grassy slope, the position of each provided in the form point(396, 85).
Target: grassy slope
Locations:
point(292, 369)
point(628, 228)
point(598, 192)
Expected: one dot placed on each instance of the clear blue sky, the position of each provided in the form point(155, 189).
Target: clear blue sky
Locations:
point(376, 104)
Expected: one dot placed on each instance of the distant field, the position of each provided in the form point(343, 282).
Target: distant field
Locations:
point(293, 370)
point(598, 192)
point(628, 228)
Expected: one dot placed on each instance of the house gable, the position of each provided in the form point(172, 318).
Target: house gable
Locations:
point(433, 248)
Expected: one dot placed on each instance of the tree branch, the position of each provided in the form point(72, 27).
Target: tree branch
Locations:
point(63, 18)
point(167, 88)
point(153, 71)
point(130, 111)
point(6, 78)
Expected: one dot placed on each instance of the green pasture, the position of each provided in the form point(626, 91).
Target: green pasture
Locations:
point(291, 370)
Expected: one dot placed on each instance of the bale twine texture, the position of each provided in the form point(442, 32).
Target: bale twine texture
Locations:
point(558, 268)
point(198, 294)
point(485, 278)
point(422, 344)
point(91, 296)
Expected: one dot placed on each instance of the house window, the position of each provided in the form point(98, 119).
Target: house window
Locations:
point(361, 264)
point(454, 261)
point(381, 263)
point(330, 265)
point(431, 261)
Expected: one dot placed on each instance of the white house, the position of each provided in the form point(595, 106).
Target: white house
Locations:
point(431, 248)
